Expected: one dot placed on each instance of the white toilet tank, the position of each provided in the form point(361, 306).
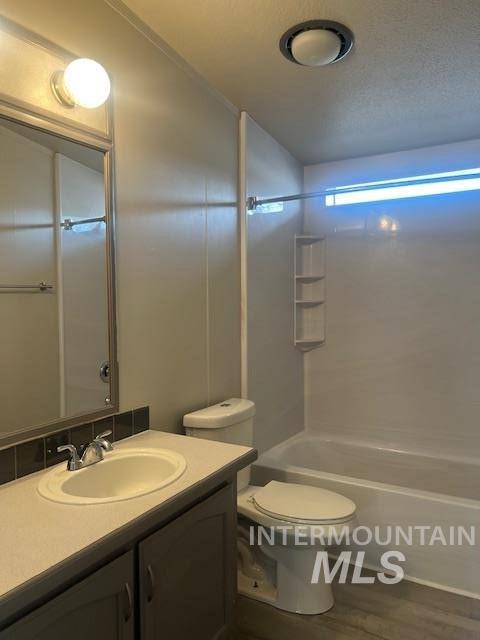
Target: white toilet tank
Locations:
point(229, 421)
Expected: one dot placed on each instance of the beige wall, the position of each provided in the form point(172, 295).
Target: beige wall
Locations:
point(275, 366)
point(401, 365)
point(177, 243)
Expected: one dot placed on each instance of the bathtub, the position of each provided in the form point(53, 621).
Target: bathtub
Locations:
point(397, 489)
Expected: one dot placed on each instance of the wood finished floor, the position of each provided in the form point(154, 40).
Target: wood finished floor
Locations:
point(406, 611)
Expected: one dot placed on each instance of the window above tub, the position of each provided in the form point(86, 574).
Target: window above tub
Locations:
point(409, 187)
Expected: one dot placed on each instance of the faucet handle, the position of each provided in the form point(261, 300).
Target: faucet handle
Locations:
point(103, 442)
point(104, 434)
point(74, 461)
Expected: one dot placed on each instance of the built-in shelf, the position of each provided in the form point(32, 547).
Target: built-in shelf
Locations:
point(309, 303)
point(309, 295)
point(308, 278)
point(306, 240)
point(308, 345)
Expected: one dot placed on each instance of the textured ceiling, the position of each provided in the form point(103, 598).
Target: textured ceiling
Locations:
point(412, 79)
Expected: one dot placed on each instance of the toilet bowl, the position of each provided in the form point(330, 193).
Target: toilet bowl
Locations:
point(282, 526)
point(289, 524)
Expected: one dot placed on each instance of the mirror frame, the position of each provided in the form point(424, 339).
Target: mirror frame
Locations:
point(12, 110)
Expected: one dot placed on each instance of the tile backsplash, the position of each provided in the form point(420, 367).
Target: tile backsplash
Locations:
point(7, 465)
point(34, 455)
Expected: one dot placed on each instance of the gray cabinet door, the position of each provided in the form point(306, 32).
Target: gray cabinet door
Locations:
point(188, 573)
point(101, 607)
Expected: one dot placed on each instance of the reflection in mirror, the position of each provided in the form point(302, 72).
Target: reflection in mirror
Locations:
point(53, 279)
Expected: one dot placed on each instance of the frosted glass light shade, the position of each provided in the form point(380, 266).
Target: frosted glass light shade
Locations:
point(84, 83)
point(316, 47)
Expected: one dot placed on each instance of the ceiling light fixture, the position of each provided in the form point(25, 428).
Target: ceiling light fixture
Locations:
point(84, 83)
point(316, 43)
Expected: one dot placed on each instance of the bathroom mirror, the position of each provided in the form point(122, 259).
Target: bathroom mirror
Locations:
point(57, 343)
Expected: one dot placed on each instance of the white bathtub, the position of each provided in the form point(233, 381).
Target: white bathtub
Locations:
point(393, 488)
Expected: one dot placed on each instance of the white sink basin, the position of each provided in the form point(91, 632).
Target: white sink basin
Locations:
point(122, 475)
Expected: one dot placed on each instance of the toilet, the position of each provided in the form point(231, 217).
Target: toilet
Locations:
point(278, 524)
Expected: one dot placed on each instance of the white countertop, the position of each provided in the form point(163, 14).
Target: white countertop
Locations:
point(36, 534)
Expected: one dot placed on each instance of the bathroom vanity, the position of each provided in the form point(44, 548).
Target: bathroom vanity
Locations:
point(161, 565)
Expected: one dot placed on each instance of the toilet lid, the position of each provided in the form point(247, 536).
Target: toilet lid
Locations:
point(302, 503)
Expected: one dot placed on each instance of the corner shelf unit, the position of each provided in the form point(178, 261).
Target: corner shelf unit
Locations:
point(309, 292)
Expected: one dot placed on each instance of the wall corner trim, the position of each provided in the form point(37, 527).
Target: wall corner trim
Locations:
point(127, 14)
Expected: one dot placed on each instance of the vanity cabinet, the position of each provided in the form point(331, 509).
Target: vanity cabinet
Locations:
point(177, 583)
point(101, 607)
point(188, 573)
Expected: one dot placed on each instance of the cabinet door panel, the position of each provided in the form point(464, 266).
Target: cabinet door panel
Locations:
point(98, 608)
point(188, 573)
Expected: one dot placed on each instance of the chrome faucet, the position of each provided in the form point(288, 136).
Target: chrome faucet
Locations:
point(93, 453)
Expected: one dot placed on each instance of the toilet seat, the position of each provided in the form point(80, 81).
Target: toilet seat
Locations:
point(302, 504)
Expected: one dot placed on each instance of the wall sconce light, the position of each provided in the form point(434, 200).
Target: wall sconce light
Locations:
point(84, 83)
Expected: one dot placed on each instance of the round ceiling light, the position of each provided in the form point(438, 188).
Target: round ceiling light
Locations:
point(316, 43)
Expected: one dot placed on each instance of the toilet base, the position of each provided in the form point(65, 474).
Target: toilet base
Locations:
point(256, 590)
point(293, 590)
